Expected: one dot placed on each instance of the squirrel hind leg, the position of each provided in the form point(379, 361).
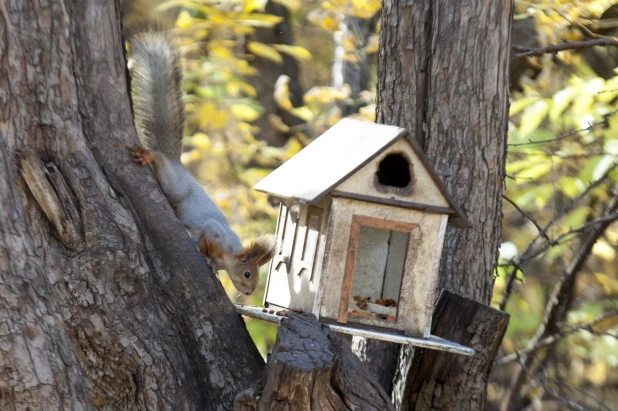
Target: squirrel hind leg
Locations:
point(141, 156)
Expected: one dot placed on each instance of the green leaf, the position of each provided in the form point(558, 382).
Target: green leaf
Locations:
point(570, 186)
point(533, 115)
point(576, 217)
point(561, 101)
point(604, 164)
point(520, 104)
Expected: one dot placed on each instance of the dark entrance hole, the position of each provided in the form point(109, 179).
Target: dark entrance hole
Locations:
point(394, 171)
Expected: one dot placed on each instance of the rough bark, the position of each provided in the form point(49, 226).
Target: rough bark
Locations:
point(270, 71)
point(443, 70)
point(38, 369)
point(443, 75)
point(310, 368)
point(150, 325)
point(450, 381)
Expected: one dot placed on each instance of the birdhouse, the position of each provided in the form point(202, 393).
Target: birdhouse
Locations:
point(360, 230)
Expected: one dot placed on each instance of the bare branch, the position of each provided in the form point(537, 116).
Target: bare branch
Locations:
point(546, 342)
point(555, 48)
point(528, 216)
point(555, 308)
point(603, 122)
point(517, 262)
point(552, 393)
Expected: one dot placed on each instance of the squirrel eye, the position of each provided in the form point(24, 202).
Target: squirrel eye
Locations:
point(247, 274)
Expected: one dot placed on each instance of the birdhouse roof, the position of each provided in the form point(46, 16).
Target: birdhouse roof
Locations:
point(335, 156)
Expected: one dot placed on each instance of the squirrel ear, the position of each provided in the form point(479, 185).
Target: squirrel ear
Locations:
point(209, 249)
point(203, 244)
point(260, 252)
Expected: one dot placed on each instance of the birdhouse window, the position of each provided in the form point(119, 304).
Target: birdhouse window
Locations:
point(394, 174)
point(312, 236)
point(286, 233)
point(374, 270)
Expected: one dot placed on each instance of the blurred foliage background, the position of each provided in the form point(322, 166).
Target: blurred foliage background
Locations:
point(263, 78)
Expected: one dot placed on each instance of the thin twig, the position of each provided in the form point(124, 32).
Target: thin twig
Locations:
point(555, 308)
point(551, 243)
point(528, 216)
point(517, 262)
point(604, 122)
point(545, 342)
point(555, 48)
point(552, 393)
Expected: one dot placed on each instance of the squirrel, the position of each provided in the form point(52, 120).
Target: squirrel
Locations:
point(156, 74)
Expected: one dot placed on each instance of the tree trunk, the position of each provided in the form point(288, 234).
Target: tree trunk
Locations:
point(443, 75)
point(150, 326)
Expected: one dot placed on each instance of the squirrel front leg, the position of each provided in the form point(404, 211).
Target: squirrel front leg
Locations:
point(174, 187)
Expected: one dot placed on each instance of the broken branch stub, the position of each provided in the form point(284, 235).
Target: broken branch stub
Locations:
point(52, 193)
point(310, 368)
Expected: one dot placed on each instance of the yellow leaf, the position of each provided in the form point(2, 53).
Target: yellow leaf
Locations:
point(334, 116)
point(244, 112)
point(278, 123)
point(368, 113)
point(252, 5)
point(372, 44)
point(325, 19)
point(205, 116)
point(263, 50)
point(299, 53)
point(184, 20)
point(243, 30)
point(221, 53)
point(258, 19)
point(303, 112)
point(364, 9)
point(190, 156)
point(201, 140)
point(597, 373)
point(603, 250)
point(221, 43)
point(219, 119)
point(186, 3)
point(282, 93)
point(350, 57)
point(326, 95)
point(248, 89)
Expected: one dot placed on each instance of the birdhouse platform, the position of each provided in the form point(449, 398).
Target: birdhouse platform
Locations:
point(361, 225)
point(432, 343)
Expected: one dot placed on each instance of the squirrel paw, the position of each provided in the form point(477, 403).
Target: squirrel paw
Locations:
point(211, 265)
point(141, 155)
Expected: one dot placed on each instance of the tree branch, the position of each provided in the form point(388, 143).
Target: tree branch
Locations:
point(552, 393)
point(555, 48)
point(545, 342)
point(603, 122)
point(517, 262)
point(556, 305)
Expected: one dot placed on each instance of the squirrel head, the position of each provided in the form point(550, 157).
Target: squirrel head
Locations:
point(243, 268)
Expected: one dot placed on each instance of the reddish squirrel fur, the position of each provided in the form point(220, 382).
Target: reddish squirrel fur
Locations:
point(159, 116)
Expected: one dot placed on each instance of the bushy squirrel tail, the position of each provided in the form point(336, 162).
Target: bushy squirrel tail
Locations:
point(156, 80)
